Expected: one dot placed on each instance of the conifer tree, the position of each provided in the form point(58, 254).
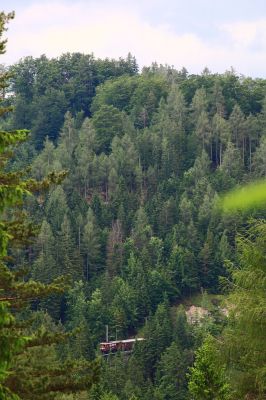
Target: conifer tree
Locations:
point(259, 162)
point(56, 208)
point(231, 166)
point(221, 134)
point(68, 256)
point(171, 374)
point(91, 246)
point(142, 230)
point(45, 162)
point(67, 142)
point(158, 332)
point(207, 376)
point(45, 269)
point(84, 154)
point(243, 344)
point(19, 377)
point(203, 130)
point(79, 346)
point(12, 191)
point(199, 103)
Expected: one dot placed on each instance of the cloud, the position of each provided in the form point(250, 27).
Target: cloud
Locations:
point(247, 34)
point(112, 30)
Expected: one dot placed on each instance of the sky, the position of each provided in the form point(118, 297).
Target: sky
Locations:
point(218, 34)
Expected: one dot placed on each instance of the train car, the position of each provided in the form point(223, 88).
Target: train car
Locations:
point(109, 347)
point(118, 345)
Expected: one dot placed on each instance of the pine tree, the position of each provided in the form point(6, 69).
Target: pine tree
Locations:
point(21, 377)
point(115, 249)
point(207, 376)
point(199, 104)
point(56, 208)
point(12, 191)
point(259, 161)
point(171, 374)
point(171, 121)
point(45, 269)
point(68, 256)
point(182, 330)
point(243, 344)
point(231, 168)
point(45, 162)
point(221, 134)
point(142, 230)
point(158, 334)
point(84, 154)
point(203, 130)
point(238, 128)
point(91, 246)
point(67, 142)
point(79, 346)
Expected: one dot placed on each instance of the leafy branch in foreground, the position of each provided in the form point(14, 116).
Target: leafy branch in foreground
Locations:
point(246, 197)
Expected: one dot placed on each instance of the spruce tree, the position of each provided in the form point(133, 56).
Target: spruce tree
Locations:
point(91, 246)
point(18, 337)
point(207, 379)
point(243, 344)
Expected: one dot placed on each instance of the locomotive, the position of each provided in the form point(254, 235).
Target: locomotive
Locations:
point(118, 345)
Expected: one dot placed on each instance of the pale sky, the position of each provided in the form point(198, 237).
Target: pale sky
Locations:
point(190, 33)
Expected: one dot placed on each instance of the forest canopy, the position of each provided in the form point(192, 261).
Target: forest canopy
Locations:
point(135, 227)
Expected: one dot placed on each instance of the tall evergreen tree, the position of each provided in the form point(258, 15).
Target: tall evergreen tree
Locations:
point(20, 376)
point(207, 376)
point(91, 246)
point(244, 338)
point(68, 256)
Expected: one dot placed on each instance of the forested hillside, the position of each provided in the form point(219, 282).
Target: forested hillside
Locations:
point(135, 224)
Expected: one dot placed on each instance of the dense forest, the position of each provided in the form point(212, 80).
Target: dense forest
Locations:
point(137, 162)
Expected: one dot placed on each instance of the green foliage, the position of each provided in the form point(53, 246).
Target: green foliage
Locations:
point(171, 374)
point(207, 376)
point(29, 364)
point(135, 223)
point(91, 245)
point(11, 193)
point(245, 198)
point(244, 339)
point(46, 89)
point(108, 123)
point(9, 345)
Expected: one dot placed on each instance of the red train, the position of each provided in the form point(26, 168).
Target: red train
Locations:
point(118, 345)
